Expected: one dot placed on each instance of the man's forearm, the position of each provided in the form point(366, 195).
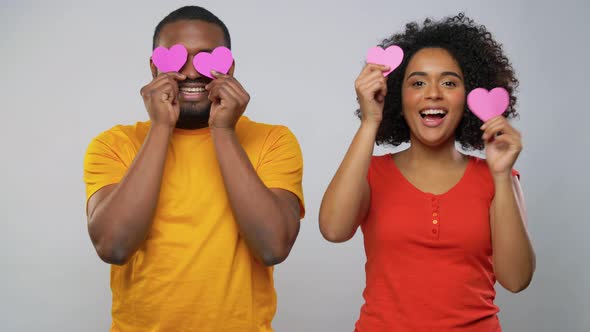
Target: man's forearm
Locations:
point(121, 221)
point(265, 221)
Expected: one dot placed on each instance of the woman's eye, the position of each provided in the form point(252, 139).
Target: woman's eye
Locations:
point(449, 83)
point(418, 83)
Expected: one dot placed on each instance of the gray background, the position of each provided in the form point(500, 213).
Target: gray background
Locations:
point(72, 69)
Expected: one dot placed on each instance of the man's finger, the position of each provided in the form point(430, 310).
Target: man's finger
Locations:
point(217, 74)
point(174, 75)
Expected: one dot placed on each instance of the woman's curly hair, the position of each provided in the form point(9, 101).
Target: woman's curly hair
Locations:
point(480, 57)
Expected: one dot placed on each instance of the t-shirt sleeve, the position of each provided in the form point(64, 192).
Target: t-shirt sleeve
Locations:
point(102, 164)
point(281, 163)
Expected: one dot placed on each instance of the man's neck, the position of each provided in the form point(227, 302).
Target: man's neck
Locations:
point(192, 125)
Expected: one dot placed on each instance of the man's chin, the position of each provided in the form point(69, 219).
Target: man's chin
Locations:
point(193, 118)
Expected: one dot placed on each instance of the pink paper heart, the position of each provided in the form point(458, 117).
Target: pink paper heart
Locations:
point(219, 60)
point(486, 105)
point(391, 56)
point(167, 60)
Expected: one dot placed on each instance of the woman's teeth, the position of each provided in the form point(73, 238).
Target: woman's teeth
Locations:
point(437, 112)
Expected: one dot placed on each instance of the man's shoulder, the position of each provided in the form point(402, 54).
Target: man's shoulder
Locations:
point(124, 133)
point(119, 140)
point(247, 127)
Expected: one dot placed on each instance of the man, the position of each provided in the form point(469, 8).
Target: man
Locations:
point(195, 206)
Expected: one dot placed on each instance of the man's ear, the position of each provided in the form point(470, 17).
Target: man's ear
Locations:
point(153, 69)
point(230, 72)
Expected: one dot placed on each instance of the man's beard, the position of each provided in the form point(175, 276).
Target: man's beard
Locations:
point(193, 115)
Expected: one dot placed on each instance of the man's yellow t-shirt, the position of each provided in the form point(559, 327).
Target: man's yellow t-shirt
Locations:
point(194, 272)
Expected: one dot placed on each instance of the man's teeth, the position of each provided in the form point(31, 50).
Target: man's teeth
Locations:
point(433, 112)
point(192, 90)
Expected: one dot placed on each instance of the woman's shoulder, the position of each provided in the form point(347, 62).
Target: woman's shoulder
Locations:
point(481, 166)
point(382, 158)
point(381, 166)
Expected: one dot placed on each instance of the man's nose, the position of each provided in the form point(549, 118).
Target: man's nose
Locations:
point(189, 69)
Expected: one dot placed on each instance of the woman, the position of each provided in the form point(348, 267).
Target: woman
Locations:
point(440, 227)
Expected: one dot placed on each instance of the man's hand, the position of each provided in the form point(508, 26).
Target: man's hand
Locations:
point(228, 101)
point(160, 97)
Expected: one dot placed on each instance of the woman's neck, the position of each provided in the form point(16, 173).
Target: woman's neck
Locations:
point(443, 154)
